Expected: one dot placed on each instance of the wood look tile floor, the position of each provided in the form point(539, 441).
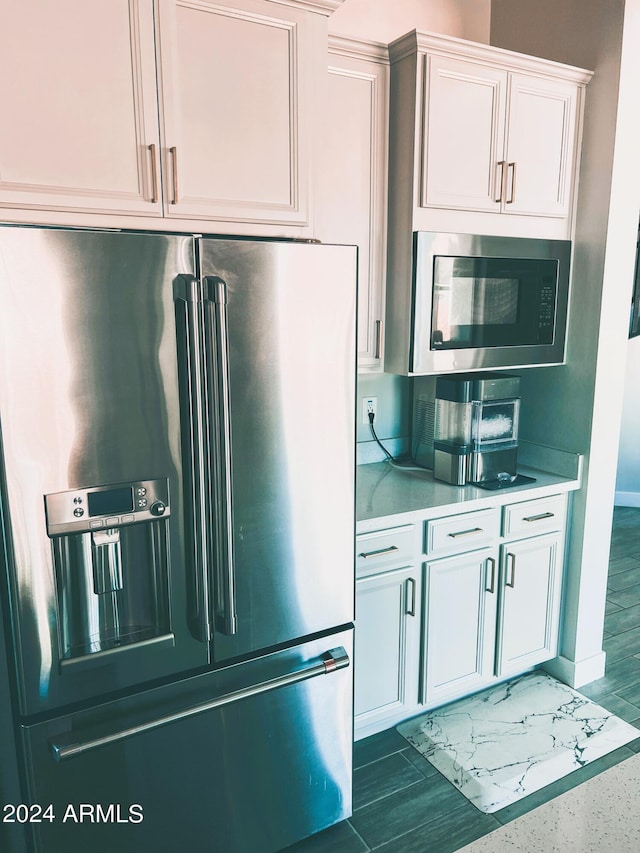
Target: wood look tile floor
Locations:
point(403, 805)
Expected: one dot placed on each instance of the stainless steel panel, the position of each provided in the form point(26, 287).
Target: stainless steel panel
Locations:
point(88, 397)
point(495, 386)
point(12, 835)
point(450, 467)
point(423, 359)
point(250, 776)
point(290, 349)
point(489, 465)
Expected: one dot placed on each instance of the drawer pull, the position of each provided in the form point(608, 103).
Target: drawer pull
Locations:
point(540, 517)
point(389, 550)
point(411, 599)
point(470, 532)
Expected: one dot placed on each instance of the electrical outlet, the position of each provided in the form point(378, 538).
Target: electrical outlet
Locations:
point(369, 404)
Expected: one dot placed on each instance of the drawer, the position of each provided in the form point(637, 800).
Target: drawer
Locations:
point(532, 517)
point(457, 533)
point(383, 548)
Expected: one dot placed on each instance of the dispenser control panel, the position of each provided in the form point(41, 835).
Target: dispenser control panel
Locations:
point(103, 507)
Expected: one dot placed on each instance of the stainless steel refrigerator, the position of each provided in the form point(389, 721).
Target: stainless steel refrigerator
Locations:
point(177, 521)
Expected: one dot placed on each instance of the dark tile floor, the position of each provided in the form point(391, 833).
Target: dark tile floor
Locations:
point(403, 805)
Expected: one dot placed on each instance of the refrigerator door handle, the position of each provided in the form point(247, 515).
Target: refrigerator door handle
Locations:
point(329, 662)
point(215, 294)
point(187, 293)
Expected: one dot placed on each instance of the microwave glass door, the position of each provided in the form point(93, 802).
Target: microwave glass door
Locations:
point(483, 302)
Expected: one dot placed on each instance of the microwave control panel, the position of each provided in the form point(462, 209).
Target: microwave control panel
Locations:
point(546, 313)
point(103, 507)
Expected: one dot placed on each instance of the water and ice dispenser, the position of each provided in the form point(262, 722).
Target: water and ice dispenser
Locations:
point(111, 556)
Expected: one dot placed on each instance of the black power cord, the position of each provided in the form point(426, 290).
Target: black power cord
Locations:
point(389, 458)
point(373, 433)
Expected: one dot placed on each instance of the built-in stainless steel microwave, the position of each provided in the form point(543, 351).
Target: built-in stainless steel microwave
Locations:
point(484, 302)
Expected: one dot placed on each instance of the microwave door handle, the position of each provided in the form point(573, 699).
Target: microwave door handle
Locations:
point(187, 293)
point(218, 358)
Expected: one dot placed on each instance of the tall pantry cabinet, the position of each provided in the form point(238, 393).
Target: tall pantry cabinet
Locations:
point(353, 188)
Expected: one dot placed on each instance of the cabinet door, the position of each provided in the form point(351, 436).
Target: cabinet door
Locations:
point(387, 648)
point(460, 621)
point(352, 191)
point(79, 124)
point(235, 103)
point(541, 145)
point(530, 586)
point(462, 135)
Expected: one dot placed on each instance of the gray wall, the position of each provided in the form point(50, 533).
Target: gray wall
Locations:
point(628, 475)
point(578, 406)
point(392, 421)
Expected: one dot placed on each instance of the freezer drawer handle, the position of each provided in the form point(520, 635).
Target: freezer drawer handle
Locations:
point(329, 662)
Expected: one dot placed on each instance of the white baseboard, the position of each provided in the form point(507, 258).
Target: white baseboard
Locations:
point(627, 499)
point(576, 673)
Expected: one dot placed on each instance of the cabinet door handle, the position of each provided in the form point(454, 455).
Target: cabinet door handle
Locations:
point(411, 598)
point(389, 550)
point(539, 517)
point(154, 174)
point(174, 173)
point(378, 349)
point(471, 532)
point(492, 563)
point(500, 183)
point(512, 195)
point(512, 558)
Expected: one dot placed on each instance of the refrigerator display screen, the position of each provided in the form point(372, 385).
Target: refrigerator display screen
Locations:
point(110, 501)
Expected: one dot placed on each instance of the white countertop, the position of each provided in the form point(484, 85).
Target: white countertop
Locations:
point(386, 495)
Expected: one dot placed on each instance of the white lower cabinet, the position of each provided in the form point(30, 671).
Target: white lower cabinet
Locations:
point(460, 624)
point(492, 612)
point(387, 648)
point(486, 606)
point(529, 603)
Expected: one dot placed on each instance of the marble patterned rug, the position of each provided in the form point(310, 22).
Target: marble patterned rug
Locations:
point(513, 739)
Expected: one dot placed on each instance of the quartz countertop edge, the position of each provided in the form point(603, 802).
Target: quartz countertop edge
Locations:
point(387, 496)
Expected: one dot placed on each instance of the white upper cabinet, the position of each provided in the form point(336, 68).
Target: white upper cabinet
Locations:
point(79, 123)
point(463, 134)
point(483, 140)
point(236, 102)
point(540, 146)
point(352, 193)
point(189, 110)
